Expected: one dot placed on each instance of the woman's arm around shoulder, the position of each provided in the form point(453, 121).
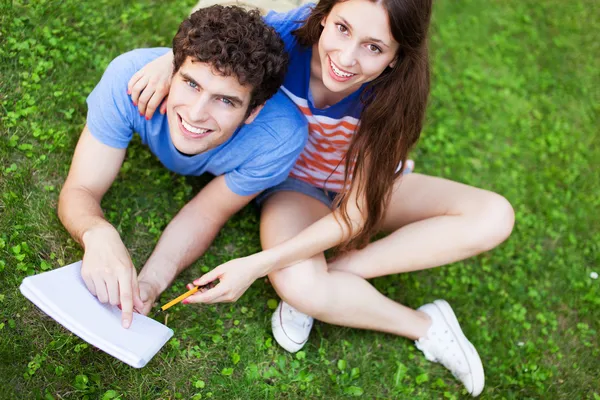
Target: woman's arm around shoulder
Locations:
point(149, 87)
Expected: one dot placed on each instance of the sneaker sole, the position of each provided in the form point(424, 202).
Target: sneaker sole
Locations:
point(466, 346)
point(279, 333)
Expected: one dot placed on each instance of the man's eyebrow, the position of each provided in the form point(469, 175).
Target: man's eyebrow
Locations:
point(188, 78)
point(232, 98)
point(370, 39)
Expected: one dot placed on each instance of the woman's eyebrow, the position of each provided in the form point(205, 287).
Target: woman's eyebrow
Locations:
point(370, 39)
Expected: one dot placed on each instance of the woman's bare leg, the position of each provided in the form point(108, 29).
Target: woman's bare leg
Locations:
point(335, 297)
point(345, 298)
point(433, 221)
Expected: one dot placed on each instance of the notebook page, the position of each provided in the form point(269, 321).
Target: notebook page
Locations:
point(62, 294)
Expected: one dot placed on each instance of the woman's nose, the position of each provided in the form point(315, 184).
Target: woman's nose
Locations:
point(347, 57)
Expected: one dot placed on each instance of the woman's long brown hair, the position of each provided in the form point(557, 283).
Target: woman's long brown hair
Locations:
point(392, 117)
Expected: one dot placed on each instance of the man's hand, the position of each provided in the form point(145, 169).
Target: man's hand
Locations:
point(148, 294)
point(235, 277)
point(108, 271)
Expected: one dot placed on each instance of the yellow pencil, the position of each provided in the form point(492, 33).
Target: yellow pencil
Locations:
point(177, 300)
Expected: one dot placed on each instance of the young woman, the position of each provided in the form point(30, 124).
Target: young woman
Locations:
point(359, 72)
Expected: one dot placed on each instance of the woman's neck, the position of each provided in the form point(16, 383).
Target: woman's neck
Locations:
point(322, 97)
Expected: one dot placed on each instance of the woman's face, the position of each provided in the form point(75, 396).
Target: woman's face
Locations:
point(356, 45)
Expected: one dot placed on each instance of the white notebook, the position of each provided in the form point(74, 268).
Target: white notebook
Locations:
point(62, 294)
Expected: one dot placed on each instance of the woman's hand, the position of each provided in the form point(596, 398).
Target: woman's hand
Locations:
point(150, 85)
point(235, 277)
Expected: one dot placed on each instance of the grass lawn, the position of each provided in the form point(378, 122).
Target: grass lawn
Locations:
point(514, 109)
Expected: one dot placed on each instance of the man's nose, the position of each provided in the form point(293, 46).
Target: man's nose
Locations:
point(200, 109)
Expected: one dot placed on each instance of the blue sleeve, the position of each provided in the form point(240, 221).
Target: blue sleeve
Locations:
point(271, 166)
point(285, 23)
point(110, 110)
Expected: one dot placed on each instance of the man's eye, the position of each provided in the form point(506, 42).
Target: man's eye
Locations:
point(191, 84)
point(226, 101)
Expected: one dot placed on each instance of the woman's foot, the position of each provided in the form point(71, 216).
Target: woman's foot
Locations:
point(291, 328)
point(446, 344)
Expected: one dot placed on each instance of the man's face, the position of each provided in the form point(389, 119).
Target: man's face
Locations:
point(204, 109)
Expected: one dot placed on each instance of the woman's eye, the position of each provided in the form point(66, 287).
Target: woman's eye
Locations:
point(341, 28)
point(374, 48)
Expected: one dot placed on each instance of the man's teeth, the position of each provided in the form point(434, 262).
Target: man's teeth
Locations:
point(339, 73)
point(190, 128)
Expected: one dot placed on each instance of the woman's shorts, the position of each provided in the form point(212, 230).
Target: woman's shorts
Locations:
point(296, 185)
point(324, 196)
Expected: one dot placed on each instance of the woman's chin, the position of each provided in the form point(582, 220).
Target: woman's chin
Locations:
point(340, 87)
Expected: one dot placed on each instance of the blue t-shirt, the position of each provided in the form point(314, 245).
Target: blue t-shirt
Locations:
point(257, 156)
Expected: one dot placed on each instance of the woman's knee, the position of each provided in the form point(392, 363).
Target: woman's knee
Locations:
point(301, 287)
point(496, 219)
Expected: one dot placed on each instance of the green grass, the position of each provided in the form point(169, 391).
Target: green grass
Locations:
point(514, 109)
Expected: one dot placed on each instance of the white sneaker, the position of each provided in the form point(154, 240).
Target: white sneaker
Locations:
point(290, 327)
point(446, 344)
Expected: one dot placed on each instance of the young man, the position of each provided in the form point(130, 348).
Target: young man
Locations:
point(227, 64)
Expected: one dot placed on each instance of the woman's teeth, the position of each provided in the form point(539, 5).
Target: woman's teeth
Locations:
point(190, 128)
point(339, 73)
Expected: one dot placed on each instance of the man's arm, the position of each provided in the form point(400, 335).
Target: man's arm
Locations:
point(188, 236)
point(93, 169)
point(107, 269)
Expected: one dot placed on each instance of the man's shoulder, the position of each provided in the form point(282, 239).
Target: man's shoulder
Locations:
point(279, 126)
point(127, 64)
point(281, 116)
point(112, 117)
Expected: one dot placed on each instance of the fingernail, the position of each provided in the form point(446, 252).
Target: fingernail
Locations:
point(126, 323)
point(186, 301)
point(128, 92)
point(147, 118)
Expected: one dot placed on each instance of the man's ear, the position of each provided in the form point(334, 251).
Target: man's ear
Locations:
point(253, 114)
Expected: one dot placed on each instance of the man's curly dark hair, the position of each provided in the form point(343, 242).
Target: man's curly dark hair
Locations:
point(235, 42)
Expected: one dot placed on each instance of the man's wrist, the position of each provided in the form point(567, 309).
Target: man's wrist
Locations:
point(100, 226)
point(158, 273)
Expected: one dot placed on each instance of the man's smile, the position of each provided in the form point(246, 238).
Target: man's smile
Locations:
point(192, 131)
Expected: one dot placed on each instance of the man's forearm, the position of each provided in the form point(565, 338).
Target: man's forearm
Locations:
point(79, 212)
point(184, 240)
